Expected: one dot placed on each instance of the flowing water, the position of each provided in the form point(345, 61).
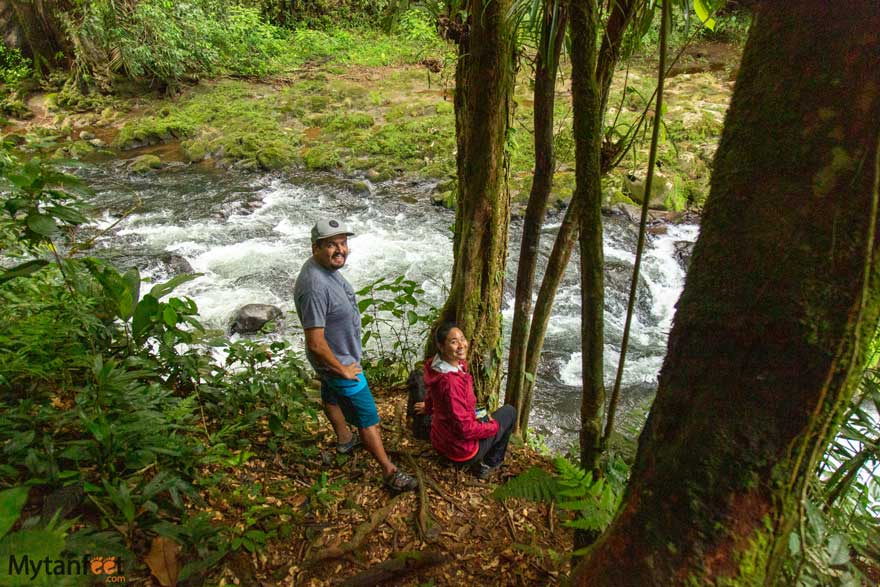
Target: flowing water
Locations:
point(248, 235)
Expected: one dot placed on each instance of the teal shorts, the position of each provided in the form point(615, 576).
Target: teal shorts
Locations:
point(354, 398)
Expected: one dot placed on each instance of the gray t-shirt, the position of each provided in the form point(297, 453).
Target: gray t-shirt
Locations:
point(324, 299)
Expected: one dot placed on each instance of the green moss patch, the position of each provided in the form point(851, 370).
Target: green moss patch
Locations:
point(231, 120)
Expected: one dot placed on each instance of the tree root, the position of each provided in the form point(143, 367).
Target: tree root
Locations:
point(395, 567)
point(359, 536)
point(428, 528)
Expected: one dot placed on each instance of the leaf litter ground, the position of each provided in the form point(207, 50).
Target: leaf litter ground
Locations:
point(346, 529)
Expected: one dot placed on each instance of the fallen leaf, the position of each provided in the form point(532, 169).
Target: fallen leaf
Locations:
point(163, 560)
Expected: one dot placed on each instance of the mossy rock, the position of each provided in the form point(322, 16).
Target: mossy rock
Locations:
point(321, 157)
point(194, 150)
point(445, 200)
point(145, 163)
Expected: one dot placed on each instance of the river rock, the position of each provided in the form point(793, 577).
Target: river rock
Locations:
point(145, 163)
point(683, 252)
point(251, 317)
point(660, 188)
point(86, 135)
point(176, 264)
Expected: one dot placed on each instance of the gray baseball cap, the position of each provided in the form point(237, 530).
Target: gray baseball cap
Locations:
point(327, 227)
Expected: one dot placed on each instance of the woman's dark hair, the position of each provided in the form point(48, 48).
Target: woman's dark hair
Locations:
point(442, 332)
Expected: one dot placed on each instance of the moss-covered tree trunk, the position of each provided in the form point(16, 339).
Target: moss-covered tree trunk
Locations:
point(549, 49)
point(586, 107)
point(615, 28)
point(773, 325)
point(483, 86)
point(40, 24)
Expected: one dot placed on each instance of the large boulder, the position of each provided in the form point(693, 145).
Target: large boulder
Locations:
point(251, 318)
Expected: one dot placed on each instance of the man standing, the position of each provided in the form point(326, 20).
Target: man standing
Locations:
point(328, 311)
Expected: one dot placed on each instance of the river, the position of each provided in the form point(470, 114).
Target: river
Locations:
point(248, 235)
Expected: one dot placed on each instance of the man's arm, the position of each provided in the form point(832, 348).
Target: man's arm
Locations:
point(318, 346)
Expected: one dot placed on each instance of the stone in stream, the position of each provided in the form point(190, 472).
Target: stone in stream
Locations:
point(145, 163)
point(251, 317)
point(176, 264)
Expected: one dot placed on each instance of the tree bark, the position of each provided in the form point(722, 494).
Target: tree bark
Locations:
point(772, 328)
point(586, 103)
point(43, 34)
point(549, 50)
point(484, 83)
point(621, 16)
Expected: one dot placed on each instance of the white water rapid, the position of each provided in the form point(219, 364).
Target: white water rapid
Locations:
point(248, 235)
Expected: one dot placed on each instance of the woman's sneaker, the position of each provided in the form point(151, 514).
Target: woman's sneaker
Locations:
point(399, 481)
point(484, 471)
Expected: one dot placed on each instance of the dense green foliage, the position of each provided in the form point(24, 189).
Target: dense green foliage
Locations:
point(395, 319)
point(163, 42)
point(116, 394)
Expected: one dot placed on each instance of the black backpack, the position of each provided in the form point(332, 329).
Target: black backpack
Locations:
point(421, 424)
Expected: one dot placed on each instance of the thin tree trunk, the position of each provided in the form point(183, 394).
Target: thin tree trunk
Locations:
point(773, 327)
point(484, 83)
point(549, 50)
point(609, 53)
point(586, 103)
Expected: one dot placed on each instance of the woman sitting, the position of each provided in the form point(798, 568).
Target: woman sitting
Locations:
point(456, 431)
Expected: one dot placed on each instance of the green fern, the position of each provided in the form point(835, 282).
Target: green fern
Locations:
point(535, 485)
point(593, 503)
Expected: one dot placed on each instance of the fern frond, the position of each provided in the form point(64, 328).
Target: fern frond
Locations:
point(589, 523)
point(534, 485)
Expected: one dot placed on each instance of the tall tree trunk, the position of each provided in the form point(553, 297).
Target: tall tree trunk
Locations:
point(43, 34)
point(619, 20)
point(772, 328)
point(586, 103)
point(549, 50)
point(484, 83)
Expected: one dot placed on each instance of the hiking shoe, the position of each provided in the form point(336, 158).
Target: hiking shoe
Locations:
point(399, 481)
point(346, 448)
point(484, 471)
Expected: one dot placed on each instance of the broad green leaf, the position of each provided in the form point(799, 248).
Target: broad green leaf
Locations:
point(14, 205)
point(169, 316)
point(163, 289)
point(41, 224)
point(67, 214)
point(129, 298)
point(23, 270)
point(412, 317)
point(838, 550)
point(11, 502)
point(703, 13)
point(275, 425)
point(143, 314)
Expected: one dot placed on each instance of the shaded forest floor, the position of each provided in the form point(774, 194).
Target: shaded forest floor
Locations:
point(354, 532)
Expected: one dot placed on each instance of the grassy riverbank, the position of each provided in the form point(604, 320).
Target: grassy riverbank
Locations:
point(379, 109)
